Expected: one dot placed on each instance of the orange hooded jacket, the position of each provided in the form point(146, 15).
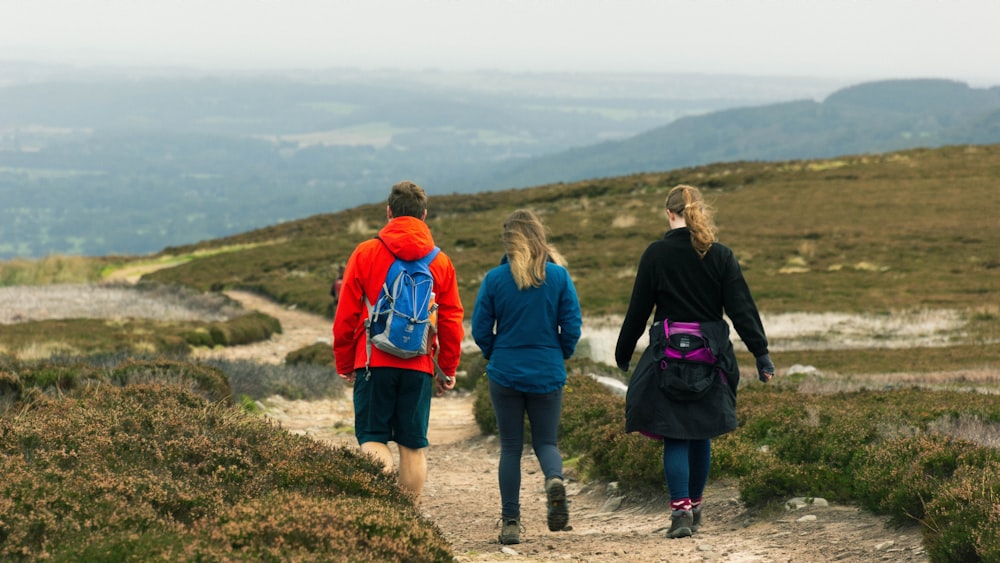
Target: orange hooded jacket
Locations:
point(408, 238)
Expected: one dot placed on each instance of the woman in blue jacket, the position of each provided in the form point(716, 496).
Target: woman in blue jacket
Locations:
point(527, 322)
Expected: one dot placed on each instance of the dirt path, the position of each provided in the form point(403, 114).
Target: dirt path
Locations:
point(462, 496)
point(298, 330)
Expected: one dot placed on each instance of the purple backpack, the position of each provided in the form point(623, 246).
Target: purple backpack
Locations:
point(688, 366)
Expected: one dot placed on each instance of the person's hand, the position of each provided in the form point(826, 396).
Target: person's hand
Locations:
point(765, 369)
point(624, 367)
point(348, 377)
point(443, 384)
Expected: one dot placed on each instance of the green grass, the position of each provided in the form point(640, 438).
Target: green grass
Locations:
point(52, 269)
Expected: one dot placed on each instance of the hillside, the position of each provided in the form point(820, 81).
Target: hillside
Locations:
point(867, 118)
point(908, 229)
point(904, 431)
point(890, 236)
point(100, 165)
point(97, 162)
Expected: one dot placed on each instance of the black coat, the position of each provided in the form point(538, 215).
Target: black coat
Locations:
point(651, 409)
point(682, 286)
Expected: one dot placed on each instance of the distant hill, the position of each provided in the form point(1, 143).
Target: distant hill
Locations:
point(867, 118)
point(94, 162)
point(103, 165)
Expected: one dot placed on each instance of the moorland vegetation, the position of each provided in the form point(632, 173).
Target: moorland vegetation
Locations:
point(877, 234)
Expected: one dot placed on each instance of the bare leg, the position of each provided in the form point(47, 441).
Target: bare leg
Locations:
point(381, 452)
point(412, 471)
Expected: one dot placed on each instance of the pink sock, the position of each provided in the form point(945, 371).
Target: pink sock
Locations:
point(680, 504)
point(695, 503)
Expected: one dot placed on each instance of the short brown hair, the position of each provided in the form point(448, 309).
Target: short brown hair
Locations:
point(407, 200)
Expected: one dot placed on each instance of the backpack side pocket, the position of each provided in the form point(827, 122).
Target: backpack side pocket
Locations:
point(685, 381)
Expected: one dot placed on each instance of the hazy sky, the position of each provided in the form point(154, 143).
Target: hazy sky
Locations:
point(852, 39)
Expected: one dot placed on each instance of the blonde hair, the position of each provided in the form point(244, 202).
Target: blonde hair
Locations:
point(527, 249)
point(688, 202)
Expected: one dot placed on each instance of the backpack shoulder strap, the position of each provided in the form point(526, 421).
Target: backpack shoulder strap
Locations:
point(430, 256)
point(368, 302)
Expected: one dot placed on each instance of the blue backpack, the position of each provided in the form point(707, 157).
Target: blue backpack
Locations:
point(401, 321)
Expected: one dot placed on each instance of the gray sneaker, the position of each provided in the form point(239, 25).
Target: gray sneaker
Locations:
point(680, 524)
point(510, 533)
point(555, 500)
point(696, 520)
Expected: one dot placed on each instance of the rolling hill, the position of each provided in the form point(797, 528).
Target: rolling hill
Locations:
point(867, 118)
point(96, 163)
point(901, 230)
point(104, 165)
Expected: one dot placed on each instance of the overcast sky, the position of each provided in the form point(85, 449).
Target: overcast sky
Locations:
point(852, 39)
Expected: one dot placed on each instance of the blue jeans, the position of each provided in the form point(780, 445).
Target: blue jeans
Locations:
point(685, 467)
point(543, 411)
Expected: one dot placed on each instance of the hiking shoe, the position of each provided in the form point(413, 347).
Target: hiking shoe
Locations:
point(510, 533)
point(680, 524)
point(696, 518)
point(558, 511)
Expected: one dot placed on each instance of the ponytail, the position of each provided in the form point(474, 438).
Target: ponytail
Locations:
point(688, 202)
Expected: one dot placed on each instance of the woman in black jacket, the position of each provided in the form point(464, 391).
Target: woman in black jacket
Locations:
point(690, 279)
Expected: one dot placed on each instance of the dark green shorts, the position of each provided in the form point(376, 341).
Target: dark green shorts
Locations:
point(392, 404)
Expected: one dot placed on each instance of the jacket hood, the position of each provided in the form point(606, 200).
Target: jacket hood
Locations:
point(408, 238)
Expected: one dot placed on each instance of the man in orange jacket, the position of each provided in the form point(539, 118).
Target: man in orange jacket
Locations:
point(392, 395)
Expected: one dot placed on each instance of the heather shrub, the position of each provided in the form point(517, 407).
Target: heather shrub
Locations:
point(303, 381)
point(734, 456)
point(62, 375)
point(252, 327)
point(482, 408)
point(154, 471)
point(85, 337)
point(10, 389)
point(635, 461)
point(591, 416)
point(295, 526)
point(822, 431)
point(202, 380)
point(962, 521)
point(879, 448)
point(200, 337)
point(773, 479)
point(900, 477)
point(474, 366)
point(319, 353)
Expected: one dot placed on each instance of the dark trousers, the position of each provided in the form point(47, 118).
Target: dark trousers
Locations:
point(510, 406)
point(685, 467)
